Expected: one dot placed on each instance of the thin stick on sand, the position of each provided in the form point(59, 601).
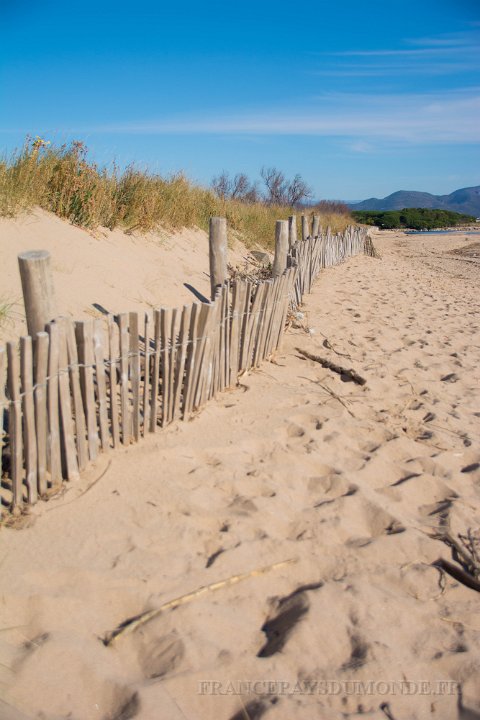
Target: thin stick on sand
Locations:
point(132, 624)
point(351, 374)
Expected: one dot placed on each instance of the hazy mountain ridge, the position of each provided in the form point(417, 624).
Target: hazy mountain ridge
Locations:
point(465, 200)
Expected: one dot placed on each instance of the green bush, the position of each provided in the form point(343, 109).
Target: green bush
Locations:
point(412, 218)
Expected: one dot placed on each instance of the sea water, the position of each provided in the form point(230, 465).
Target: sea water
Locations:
point(442, 232)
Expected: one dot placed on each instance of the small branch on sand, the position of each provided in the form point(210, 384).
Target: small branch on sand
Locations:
point(132, 624)
point(351, 374)
point(457, 573)
point(329, 346)
point(465, 552)
point(331, 393)
point(336, 397)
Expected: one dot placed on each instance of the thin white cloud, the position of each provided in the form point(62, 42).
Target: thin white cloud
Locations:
point(466, 37)
point(360, 146)
point(389, 69)
point(427, 118)
point(447, 54)
point(418, 52)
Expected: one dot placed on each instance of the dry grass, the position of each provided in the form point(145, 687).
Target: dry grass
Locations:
point(64, 181)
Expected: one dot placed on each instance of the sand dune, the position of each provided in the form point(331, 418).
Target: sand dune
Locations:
point(118, 271)
point(349, 482)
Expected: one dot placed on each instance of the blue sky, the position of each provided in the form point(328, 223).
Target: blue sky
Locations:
point(360, 98)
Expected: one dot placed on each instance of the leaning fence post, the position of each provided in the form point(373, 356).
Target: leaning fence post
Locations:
point(217, 252)
point(281, 247)
point(305, 232)
point(292, 230)
point(38, 291)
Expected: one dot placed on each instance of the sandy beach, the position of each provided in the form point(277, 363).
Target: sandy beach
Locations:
point(322, 503)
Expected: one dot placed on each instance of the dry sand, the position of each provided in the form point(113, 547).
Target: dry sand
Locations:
point(348, 481)
point(120, 272)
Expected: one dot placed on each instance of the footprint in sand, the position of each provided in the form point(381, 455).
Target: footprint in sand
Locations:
point(158, 655)
point(300, 424)
point(329, 486)
point(358, 653)
point(255, 709)
point(380, 522)
point(242, 506)
point(286, 614)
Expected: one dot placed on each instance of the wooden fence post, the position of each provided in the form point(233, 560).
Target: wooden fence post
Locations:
point(292, 230)
point(38, 291)
point(281, 247)
point(305, 232)
point(315, 225)
point(217, 252)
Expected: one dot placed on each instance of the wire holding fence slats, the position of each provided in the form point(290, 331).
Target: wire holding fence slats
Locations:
point(80, 389)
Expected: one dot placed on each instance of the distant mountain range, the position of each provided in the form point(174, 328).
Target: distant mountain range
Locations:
point(466, 200)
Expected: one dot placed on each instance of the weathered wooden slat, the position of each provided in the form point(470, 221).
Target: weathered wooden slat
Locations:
point(213, 346)
point(176, 314)
point(165, 333)
point(253, 324)
point(126, 418)
point(15, 425)
point(113, 343)
point(156, 369)
point(290, 276)
point(275, 300)
point(181, 358)
point(78, 409)
point(84, 335)
point(54, 465)
point(146, 376)
point(277, 329)
point(28, 408)
point(100, 353)
point(226, 332)
point(238, 300)
point(66, 426)
point(3, 408)
point(218, 354)
point(256, 334)
point(211, 356)
point(269, 317)
point(190, 369)
point(41, 417)
point(135, 374)
point(245, 324)
point(203, 365)
point(264, 322)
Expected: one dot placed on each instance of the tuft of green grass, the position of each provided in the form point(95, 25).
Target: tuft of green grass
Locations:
point(6, 312)
point(64, 181)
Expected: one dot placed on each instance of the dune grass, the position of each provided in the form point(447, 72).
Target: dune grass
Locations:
point(66, 182)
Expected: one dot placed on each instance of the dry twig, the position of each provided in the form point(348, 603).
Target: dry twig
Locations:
point(132, 624)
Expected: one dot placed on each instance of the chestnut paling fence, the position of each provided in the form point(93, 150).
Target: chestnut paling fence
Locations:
point(78, 389)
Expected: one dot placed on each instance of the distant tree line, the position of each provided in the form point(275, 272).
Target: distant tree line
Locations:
point(332, 206)
point(274, 188)
point(412, 218)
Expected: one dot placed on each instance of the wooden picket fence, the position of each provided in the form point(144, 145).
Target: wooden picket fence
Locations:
point(81, 388)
